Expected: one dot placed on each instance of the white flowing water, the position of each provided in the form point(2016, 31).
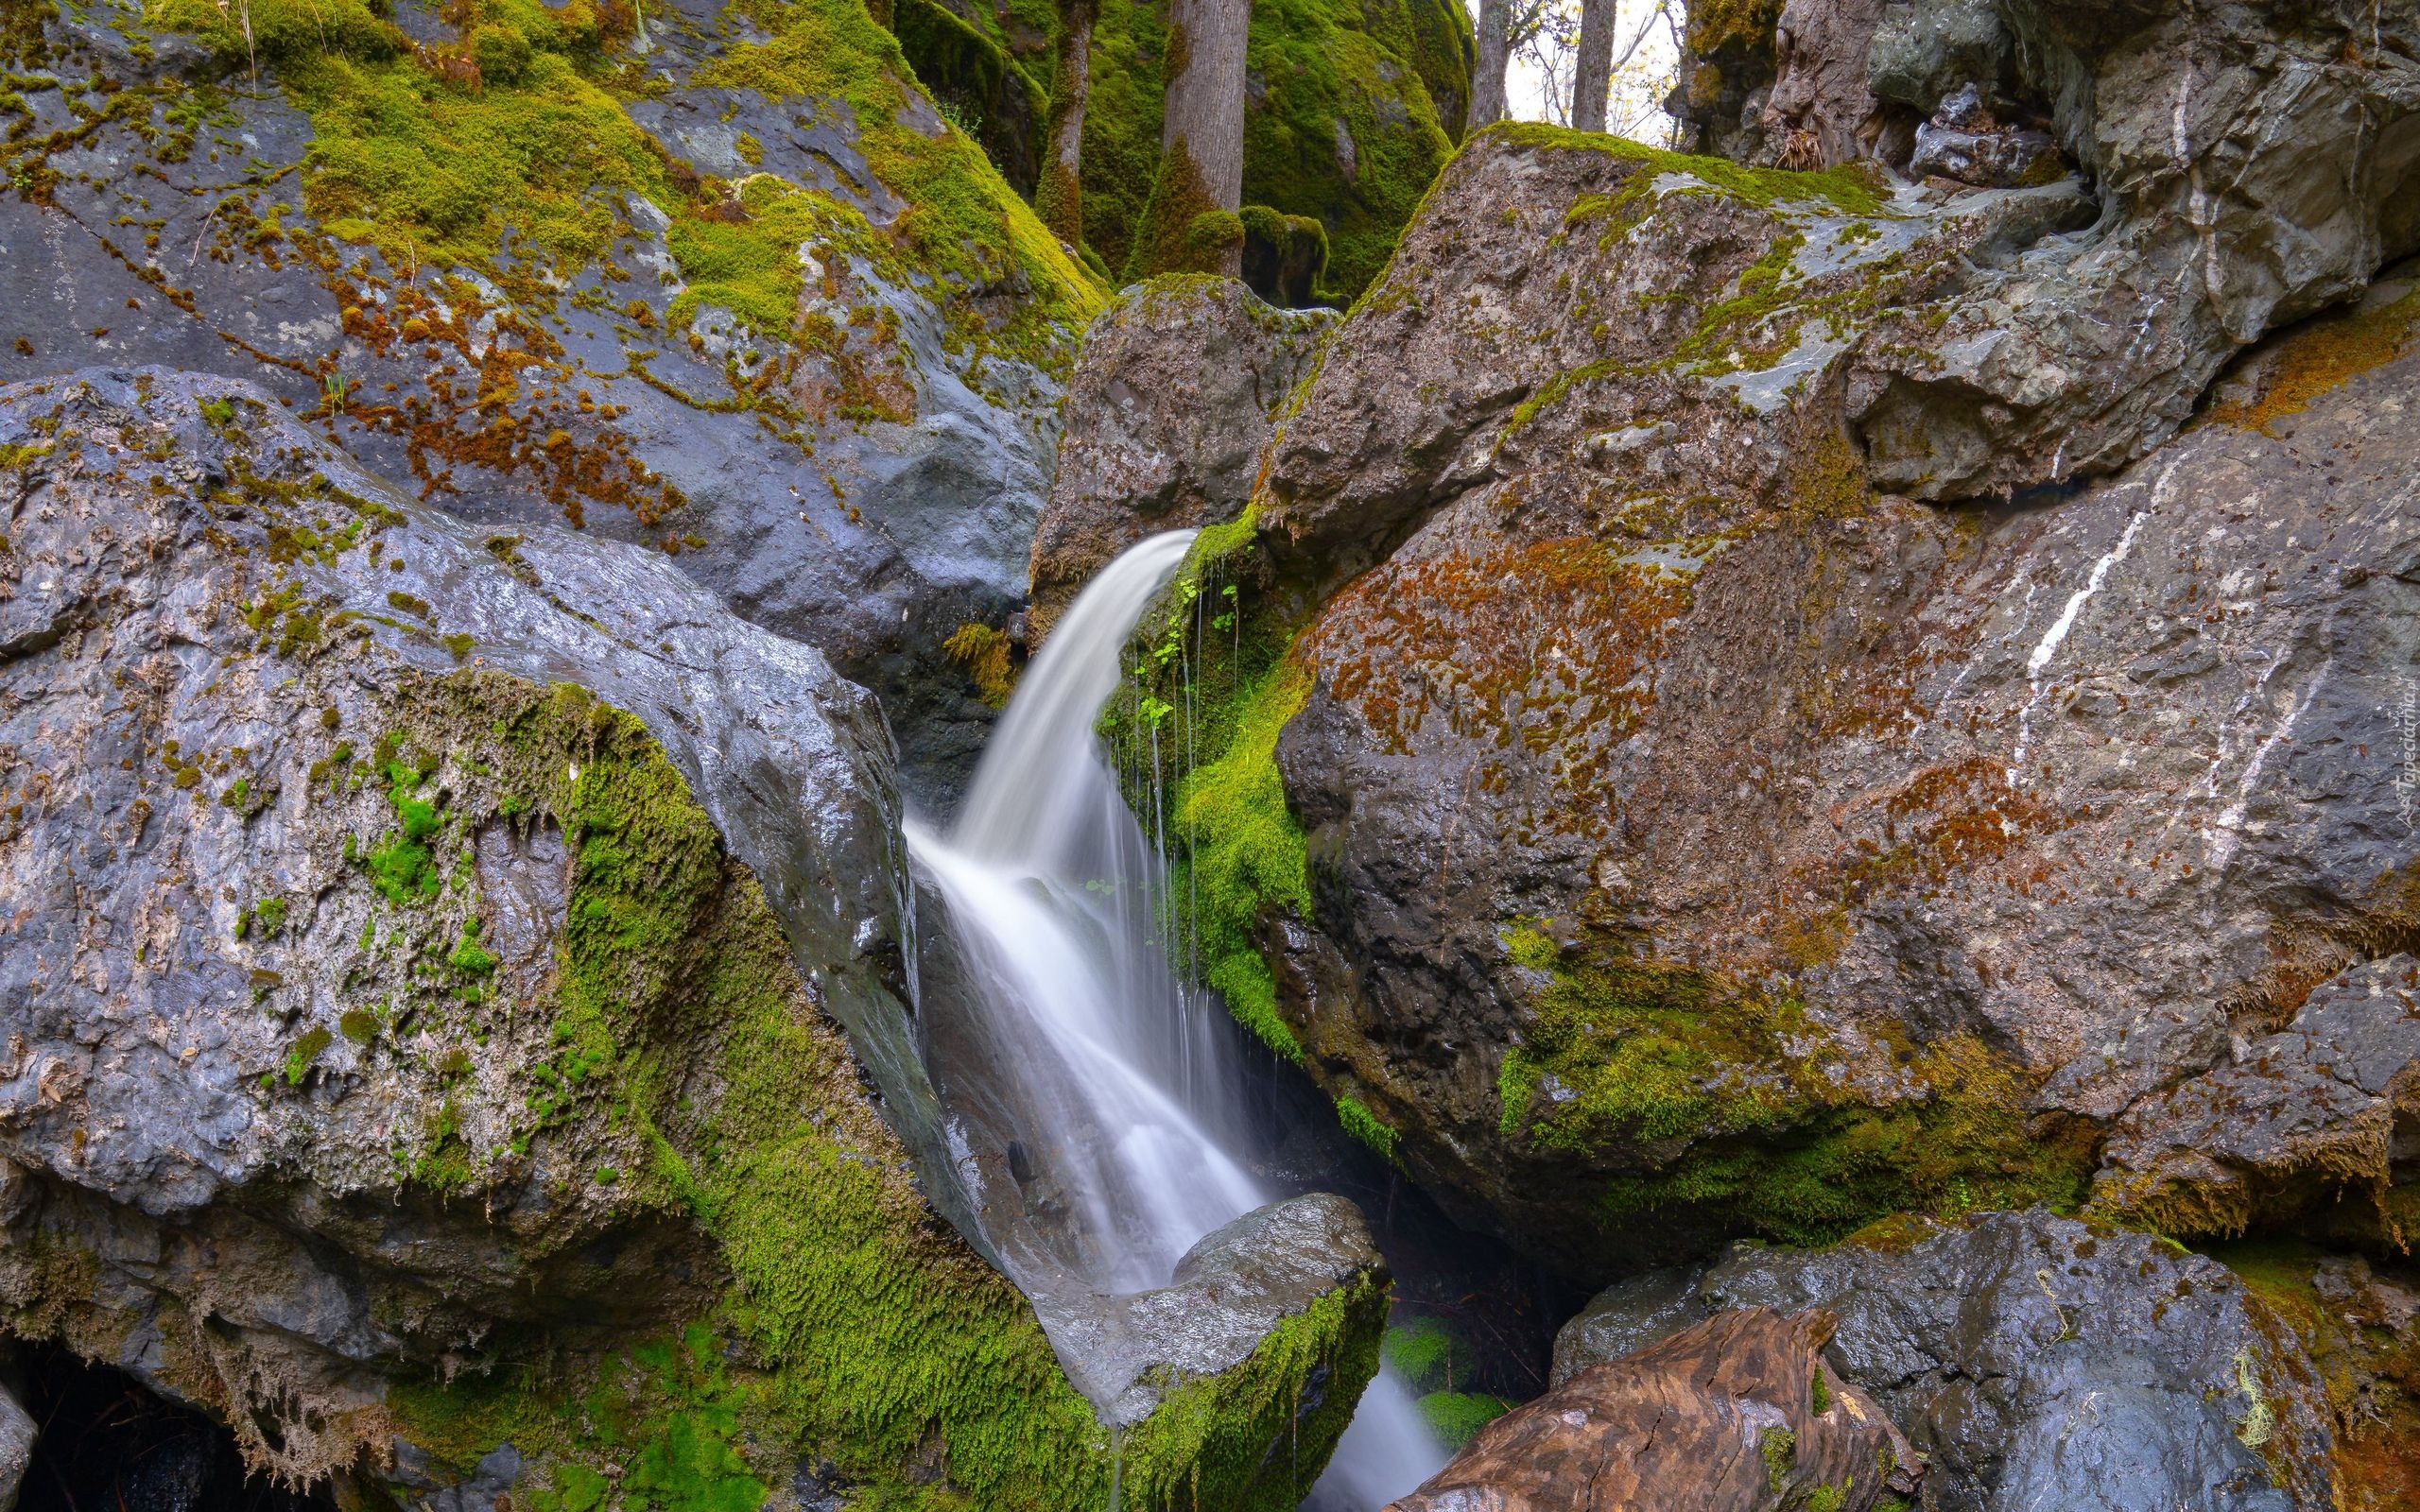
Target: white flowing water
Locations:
point(1128, 1076)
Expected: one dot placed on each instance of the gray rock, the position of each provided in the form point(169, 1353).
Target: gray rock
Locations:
point(1923, 51)
point(220, 1074)
point(2113, 1436)
point(1962, 142)
point(2293, 1120)
point(1174, 395)
point(1234, 1286)
point(1627, 1317)
point(864, 479)
point(18, 1435)
point(2039, 1362)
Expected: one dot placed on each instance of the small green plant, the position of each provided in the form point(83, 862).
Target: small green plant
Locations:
point(1455, 1416)
point(1779, 1447)
point(405, 870)
point(336, 386)
point(304, 1051)
point(1421, 1352)
point(268, 915)
point(469, 956)
point(1821, 1391)
point(1365, 1127)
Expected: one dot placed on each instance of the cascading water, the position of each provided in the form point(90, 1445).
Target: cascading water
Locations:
point(1120, 1076)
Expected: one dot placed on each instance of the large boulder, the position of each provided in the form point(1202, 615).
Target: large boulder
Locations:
point(1174, 395)
point(1735, 1413)
point(461, 1021)
point(1688, 826)
point(769, 312)
point(2254, 163)
point(2034, 1361)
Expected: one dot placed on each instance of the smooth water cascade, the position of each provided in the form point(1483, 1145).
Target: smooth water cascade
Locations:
point(1124, 1079)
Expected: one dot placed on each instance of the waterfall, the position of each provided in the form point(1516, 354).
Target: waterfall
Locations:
point(1123, 1080)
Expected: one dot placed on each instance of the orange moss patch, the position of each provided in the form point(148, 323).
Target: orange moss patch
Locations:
point(2323, 355)
point(1948, 820)
point(1548, 646)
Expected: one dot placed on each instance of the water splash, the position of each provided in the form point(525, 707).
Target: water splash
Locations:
point(1124, 1079)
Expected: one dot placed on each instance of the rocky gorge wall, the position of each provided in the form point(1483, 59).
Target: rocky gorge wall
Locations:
point(1749, 701)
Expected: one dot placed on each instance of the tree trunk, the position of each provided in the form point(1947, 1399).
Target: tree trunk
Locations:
point(1592, 73)
point(1487, 73)
point(1058, 196)
point(1190, 222)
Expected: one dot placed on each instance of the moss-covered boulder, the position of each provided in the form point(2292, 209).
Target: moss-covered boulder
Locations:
point(1647, 831)
point(719, 280)
point(459, 1023)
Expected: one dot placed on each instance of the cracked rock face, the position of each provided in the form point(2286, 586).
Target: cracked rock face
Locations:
point(2336, 1093)
point(2032, 1360)
point(1668, 789)
point(2253, 163)
point(862, 476)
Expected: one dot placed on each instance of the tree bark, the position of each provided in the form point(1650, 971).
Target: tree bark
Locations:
point(1201, 144)
point(1058, 196)
point(1592, 73)
point(1487, 73)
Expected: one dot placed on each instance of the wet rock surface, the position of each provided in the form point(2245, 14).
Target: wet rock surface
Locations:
point(1732, 1413)
point(1174, 395)
point(855, 458)
point(1235, 1287)
point(220, 703)
point(2034, 1360)
point(2227, 208)
point(1666, 787)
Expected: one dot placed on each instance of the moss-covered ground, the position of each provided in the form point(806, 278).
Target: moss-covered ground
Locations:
point(1354, 107)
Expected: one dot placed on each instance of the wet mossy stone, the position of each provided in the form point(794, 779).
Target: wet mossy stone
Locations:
point(988, 94)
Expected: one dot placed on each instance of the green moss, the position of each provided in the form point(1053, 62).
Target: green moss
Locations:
point(300, 1056)
point(1422, 1351)
point(359, 1025)
point(1455, 1416)
point(1243, 852)
point(1851, 189)
point(404, 868)
point(268, 916)
point(1365, 1127)
point(1779, 1448)
point(984, 652)
point(1641, 1052)
point(468, 956)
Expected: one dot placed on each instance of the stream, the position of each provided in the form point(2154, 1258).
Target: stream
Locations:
point(1124, 1081)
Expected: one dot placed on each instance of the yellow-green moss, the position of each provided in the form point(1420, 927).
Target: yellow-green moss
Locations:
point(2321, 357)
point(853, 1329)
point(984, 653)
point(1639, 1052)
